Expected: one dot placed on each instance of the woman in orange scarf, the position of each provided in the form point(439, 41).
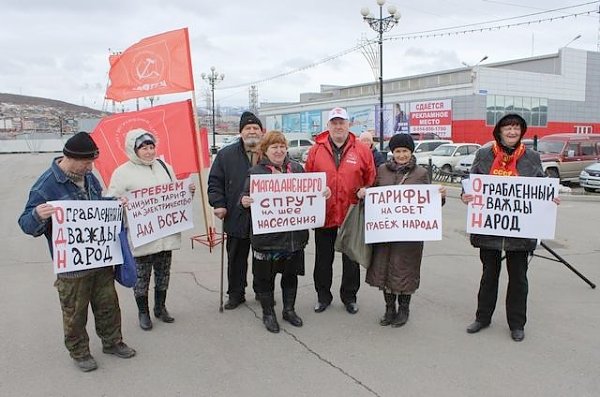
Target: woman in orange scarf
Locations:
point(507, 157)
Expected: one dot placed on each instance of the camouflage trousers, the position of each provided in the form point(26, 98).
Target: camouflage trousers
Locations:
point(76, 294)
point(161, 262)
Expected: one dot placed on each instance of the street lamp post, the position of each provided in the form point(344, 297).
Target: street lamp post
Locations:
point(212, 79)
point(572, 40)
point(381, 25)
point(475, 74)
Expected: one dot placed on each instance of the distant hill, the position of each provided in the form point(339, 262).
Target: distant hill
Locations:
point(21, 113)
point(49, 103)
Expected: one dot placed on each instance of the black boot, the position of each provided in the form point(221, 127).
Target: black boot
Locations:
point(269, 317)
point(403, 311)
point(160, 310)
point(289, 314)
point(143, 312)
point(390, 309)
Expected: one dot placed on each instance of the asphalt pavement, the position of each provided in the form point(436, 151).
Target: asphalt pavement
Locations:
point(208, 353)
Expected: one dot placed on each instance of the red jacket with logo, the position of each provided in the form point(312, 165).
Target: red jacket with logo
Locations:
point(356, 170)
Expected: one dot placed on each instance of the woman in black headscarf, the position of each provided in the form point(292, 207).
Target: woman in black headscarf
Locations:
point(506, 157)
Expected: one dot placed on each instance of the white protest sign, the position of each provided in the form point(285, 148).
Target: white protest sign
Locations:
point(286, 202)
point(512, 206)
point(85, 234)
point(158, 211)
point(403, 213)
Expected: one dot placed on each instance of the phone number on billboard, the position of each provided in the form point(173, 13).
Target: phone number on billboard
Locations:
point(429, 129)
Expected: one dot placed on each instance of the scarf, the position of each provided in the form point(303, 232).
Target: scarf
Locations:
point(285, 168)
point(401, 170)
point(505, 164)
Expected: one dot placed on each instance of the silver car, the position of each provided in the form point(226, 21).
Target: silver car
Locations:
point(423, 148)
point(446, 157)
point(465, 164)
point(297, 147)
point(589, 178)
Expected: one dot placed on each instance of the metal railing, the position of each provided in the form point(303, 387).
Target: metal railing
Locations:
point(437, 174)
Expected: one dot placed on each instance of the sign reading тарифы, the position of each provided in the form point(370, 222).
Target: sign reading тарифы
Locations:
point(403, 213)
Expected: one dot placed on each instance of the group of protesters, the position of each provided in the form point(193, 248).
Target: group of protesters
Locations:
point(350, 165)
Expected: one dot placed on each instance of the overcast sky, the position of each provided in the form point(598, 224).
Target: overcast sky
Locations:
point(59, 49)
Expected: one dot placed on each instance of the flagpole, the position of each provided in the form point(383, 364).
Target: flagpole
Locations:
point(206, 208)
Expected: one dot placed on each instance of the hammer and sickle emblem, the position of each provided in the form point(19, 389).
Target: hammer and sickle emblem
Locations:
point(147, 69)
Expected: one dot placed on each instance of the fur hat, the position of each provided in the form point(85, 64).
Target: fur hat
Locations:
point(81, 146)
point(249, 118)
point(402, 140)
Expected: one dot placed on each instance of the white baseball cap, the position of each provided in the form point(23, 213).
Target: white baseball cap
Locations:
point(338, 113)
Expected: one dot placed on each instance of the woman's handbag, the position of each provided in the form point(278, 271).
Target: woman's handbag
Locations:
point(351, 236)
point(126, 274)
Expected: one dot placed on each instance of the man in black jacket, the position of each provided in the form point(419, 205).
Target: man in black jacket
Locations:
point(225, 186)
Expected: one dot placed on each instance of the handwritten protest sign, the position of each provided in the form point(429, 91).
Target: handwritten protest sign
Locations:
point(286, 202)
point(158, 211)
point(85, 234)
point(512, 206)
point(403, 213)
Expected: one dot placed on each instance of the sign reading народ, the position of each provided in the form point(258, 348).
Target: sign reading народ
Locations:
point(512, 206)
point(85, 234)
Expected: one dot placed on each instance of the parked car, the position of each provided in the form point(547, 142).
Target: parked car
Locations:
point(421, 136)
point(564, 156)
point(589, 178)
point(297, 147)
point(446, 157)
point(465, 164)
point(424, 148)
point(304, 156)
point(226, 140)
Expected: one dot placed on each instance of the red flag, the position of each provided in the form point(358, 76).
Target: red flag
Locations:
point(205, 154)
point(173, 127)
point(156, 65)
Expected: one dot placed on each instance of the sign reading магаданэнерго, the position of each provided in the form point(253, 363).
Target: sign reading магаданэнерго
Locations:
point(285, 202)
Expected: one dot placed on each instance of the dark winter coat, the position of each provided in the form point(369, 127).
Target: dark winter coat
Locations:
point(225, 185)
point(528, 165)
point(378, 157)
point(396, 266)
point(280, 241)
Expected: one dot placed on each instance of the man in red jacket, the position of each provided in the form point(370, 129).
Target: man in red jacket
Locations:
point(349, 167)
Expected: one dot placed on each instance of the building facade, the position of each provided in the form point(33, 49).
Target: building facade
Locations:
point(554, 93)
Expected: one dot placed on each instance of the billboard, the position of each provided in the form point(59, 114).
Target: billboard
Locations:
point(431, 116)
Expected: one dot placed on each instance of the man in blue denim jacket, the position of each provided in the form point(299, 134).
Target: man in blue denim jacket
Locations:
point(70, 178)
